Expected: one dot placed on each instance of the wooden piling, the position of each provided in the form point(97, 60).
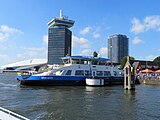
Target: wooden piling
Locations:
point(129, 76)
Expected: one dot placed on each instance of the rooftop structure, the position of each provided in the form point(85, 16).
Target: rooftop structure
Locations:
point(61, 21)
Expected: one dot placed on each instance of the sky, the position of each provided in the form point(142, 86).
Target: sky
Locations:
point(23, 27)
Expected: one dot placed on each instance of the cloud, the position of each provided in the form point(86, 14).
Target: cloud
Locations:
point(148, 23)
point(45, 39)
point(86, 52)
point(136, 41)
point(150, 57)
point(7, 29)
point(80, 42)
point(103, 51)
point(7, 32)
point(152, 22)
point(96, 35)
point(94, 30)
point(24, 54)
point(85, 30)
point(34, 49)
point(137, 27)
point(30, 53)
point(3, 36)
point(4, 57)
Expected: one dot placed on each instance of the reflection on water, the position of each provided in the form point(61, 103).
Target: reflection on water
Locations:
point(80, 102)
point(129, 94)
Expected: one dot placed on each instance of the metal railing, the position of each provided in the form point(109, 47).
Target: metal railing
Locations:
point(9, 114)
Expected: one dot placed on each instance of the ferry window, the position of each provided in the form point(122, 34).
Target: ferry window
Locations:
point(120, 73)
point(115, 73)
point(68, 72)
point(75, 61)
point(58, 72)
point(63, 72)
point(107, 73)
point(66, 61)
point(87, 73)
point(94, 62)
point(82, 62)
point(99, 73)
point(79, 72)
point(85, 62)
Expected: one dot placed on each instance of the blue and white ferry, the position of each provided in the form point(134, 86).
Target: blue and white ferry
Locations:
point(77, 70)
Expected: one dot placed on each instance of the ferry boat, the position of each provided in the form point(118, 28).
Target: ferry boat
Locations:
point(75, 71)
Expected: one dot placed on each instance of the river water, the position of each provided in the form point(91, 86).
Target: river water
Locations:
point(80, 102)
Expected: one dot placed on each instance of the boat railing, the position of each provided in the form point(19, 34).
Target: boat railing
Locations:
point(6, 114)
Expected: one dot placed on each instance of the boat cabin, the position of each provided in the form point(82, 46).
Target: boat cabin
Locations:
point(87, 66)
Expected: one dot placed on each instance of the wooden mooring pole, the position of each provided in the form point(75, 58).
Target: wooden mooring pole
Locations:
point(129, 76)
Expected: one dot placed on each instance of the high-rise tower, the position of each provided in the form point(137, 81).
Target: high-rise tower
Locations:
point(117, 47)
point(59, 39)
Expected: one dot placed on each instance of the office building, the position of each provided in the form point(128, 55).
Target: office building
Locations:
point(117, 47)
point(59, 39)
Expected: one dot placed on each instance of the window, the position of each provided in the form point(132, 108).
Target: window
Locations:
point(87, 73)
point(79, 72)
point(107, 73)
point(63, 72)
point(115, 73)
point(68, 72)
point(58, 72)
point(99, 73)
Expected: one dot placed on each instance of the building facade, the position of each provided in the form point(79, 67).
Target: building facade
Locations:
point(117, 47)
point(59, 39)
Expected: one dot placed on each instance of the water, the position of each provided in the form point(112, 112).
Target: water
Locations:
point(80, 103)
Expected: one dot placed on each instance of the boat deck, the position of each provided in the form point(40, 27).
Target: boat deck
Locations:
point(9, 115)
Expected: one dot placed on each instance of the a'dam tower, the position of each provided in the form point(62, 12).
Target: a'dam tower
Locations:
point(59, 39)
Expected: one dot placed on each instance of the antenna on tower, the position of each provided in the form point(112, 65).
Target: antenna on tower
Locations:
point(61, 16)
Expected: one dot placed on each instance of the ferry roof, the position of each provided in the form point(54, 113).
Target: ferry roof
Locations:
point(86, 57)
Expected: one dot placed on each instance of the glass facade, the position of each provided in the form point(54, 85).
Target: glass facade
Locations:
point(59, 44)
point(117, 47)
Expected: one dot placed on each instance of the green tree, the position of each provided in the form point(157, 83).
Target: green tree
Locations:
point(124, 59)
point(157, 59)
point(95, 54)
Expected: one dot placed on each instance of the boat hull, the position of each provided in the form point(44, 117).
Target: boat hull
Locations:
point(53, 80)
point(64, 80)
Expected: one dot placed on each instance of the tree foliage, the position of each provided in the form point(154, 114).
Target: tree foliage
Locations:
point(95, 54)
point(157, 59)
point(124, 59)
